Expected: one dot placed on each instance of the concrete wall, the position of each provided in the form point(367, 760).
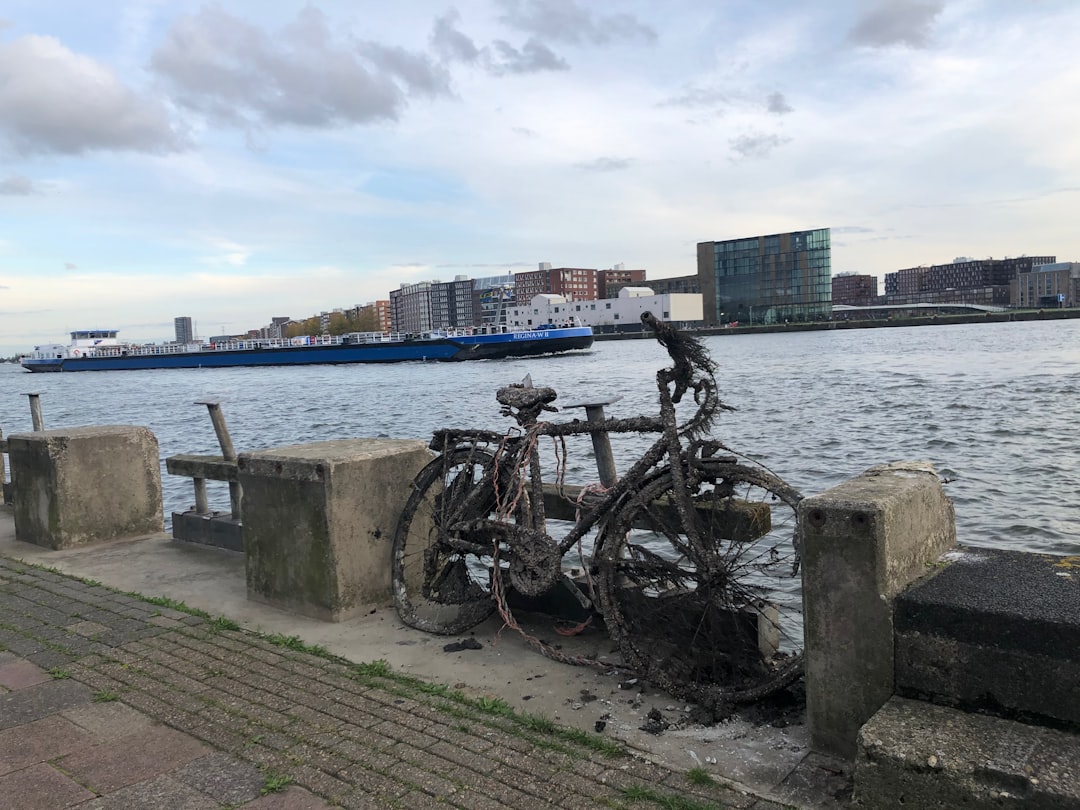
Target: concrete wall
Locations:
point(319, 521)
point(863, 542)
point(85, 485)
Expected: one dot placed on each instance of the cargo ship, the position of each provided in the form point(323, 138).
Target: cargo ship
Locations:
point(102, 350)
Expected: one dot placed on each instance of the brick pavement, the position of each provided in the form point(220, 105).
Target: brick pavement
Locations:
point(110, 701)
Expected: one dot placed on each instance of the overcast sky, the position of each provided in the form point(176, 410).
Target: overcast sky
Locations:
point(239, 160)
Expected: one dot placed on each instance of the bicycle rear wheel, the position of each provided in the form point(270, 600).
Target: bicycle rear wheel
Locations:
point(707, 605)
point(442, 580)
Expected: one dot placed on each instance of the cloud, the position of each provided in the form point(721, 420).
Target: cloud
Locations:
point(70, 266)
point(228, 253)
point(851, 229)
point(605, 164)
point(567, 21)
point(776, 103)
point(55, 101)
point(897, 22)
point(450, 43)
point(756, 145)
point(236, 74)
point(16, 185)
point(533, 57)
point(695, 97)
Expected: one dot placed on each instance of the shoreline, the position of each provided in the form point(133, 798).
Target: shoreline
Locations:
point(865, 323)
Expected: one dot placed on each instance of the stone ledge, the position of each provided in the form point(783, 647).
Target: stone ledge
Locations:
point(932, 757)
point(996, 631)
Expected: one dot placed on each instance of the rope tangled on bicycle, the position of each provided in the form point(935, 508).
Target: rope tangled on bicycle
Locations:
point(691, 557)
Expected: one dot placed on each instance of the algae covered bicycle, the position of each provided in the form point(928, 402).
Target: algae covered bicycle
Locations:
point(691, 557)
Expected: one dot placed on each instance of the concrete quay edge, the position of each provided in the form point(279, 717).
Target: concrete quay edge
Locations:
point(227, 711)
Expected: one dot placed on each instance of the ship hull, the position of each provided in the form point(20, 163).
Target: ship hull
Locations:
point(451, 349)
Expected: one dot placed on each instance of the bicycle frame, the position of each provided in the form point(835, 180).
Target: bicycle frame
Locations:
point(515, 451)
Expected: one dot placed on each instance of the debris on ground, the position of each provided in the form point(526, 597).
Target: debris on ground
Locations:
point(464, 644)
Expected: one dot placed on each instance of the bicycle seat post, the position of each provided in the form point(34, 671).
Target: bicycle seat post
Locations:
point(601, 442)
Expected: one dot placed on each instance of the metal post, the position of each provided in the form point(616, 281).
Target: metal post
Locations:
point(601, 442)
point(228, 452)
point(35, 411)
point(202, 507)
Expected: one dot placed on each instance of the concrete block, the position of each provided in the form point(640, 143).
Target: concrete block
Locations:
point(218, 529)
point(994, 630)
point(920, 755)
point(85, 485)
point(863, 542)
point(319, 522)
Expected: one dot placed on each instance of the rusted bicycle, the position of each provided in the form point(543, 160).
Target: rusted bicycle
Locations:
point(691, 557)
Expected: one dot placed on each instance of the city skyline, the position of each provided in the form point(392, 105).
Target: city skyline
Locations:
point(239, 160)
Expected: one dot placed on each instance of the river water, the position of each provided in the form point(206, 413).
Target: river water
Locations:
point(993, 406)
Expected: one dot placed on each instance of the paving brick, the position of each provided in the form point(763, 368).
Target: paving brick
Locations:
point(224, 778)
point(293, 798)
point(42, 787)
point(20, 673)
point(160, 793)
point(41, 700)
point(108, 721)
point(40, 741)
point(126, 760)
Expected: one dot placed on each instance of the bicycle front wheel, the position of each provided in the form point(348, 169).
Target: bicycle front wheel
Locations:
point(441, 579)
point(705, 601)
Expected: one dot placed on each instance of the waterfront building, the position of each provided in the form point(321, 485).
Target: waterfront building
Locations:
point(453, 304)
point(277, 328)
point(767, 279)
point(608, 314)
point(429, 305)
point(410, 307)
point(613, 280)
point(573, 283)
point(985, 282)
point(1046, 286)
point(185, 332)
point(373, 316)
point(678, 284)
point(854, 289)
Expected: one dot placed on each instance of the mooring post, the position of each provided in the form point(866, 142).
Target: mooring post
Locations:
point(3, 471)
point(35, 411)
point(228, 452)
point(601, 442)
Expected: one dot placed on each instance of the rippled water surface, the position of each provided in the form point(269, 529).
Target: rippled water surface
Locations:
point(993, 406)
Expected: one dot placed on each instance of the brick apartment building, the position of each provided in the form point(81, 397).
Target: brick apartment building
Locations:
point(854, 289)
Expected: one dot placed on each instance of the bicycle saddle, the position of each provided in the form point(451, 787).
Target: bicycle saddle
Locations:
point(525, 398)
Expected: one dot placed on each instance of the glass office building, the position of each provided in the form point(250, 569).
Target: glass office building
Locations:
point(782, 278)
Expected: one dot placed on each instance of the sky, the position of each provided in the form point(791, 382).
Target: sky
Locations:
point(239, 160)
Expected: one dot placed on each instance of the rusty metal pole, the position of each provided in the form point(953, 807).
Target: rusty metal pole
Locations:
point(228, 452)
point(601, 442)
point(202, 506)
point(35, 411)
point(3, 472)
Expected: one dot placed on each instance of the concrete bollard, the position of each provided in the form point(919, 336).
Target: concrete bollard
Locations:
point(863, 542)
point(319, 522)
point(85, 485)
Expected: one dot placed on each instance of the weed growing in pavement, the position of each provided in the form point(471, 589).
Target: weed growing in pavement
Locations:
point(105, 696)
point(375, 669)
point(668, 801)
point(221, 624)
point(496, 706)
point(165, 601)
point(59, 674)
point(296, 644)
point(699, 776)
point(274, 782)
